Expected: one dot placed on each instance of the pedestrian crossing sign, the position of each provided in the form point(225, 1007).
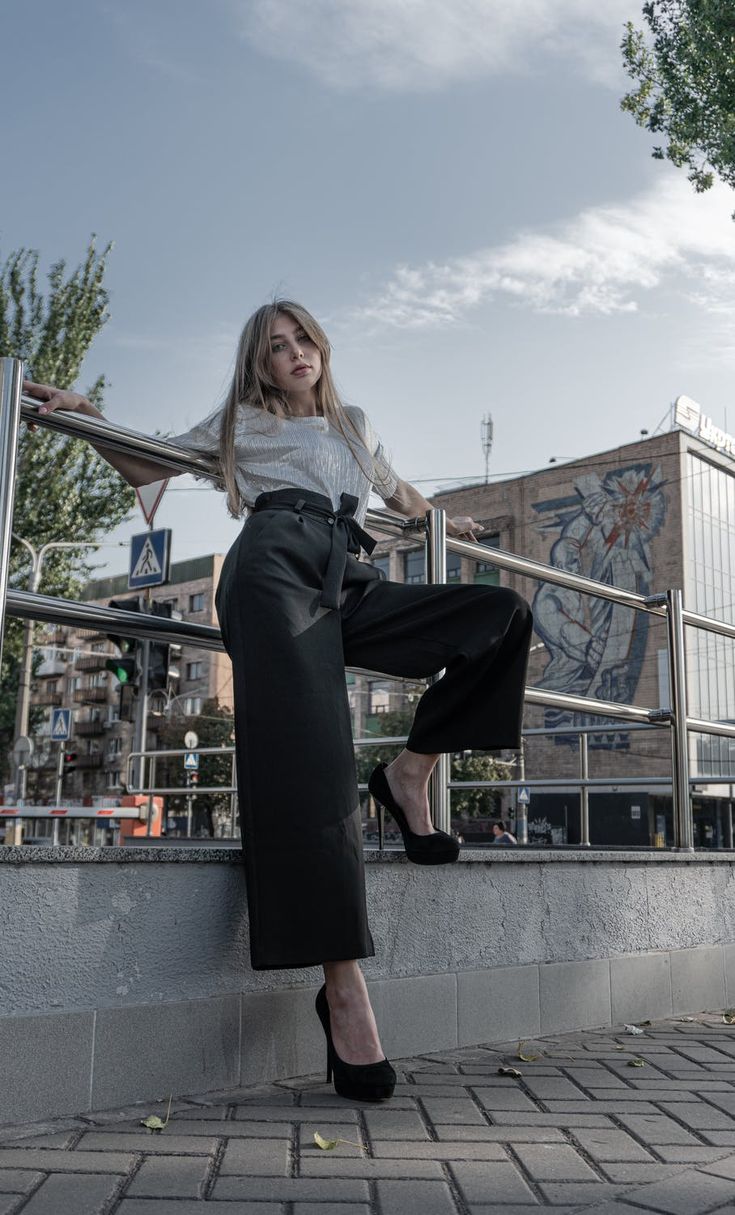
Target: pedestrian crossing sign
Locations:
point(191, 761)
point(149, 558)
point(524, 795)
point(60, 724)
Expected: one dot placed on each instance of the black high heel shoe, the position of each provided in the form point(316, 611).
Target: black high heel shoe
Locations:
point(439, 848)
point(357, 1081)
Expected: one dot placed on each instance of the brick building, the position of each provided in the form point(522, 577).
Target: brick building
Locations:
point(73, 673)
point(647, 516)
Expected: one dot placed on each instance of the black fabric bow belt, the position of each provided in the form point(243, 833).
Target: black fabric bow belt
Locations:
point(347, 535)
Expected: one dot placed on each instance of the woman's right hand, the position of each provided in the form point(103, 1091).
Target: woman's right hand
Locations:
point(51, 398)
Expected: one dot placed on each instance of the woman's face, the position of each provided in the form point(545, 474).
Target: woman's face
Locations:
point(296, 363)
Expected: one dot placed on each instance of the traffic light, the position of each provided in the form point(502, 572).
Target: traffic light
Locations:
point(160, 668)
point(192, 778)
point(126, 668)
point(70, 761)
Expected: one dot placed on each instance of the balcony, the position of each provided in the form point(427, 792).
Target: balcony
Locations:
point(51, 668)
point(88, 696)
point(49, 699)
point(90, 761)
point(89, 729)
point(92, 662)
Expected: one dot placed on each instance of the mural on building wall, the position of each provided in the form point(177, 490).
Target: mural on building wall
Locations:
point(604, 531)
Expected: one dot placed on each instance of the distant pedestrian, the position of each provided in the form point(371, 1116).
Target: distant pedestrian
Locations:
point(503, 835)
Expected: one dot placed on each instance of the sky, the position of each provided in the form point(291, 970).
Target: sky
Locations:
point(452, 189)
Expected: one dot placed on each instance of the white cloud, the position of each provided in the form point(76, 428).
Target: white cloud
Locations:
point(423, 44)
point(602, 261)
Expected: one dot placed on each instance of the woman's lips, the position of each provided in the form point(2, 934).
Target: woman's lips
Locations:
point(301, 371)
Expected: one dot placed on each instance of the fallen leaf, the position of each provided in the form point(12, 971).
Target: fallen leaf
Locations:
point(156, 1124)
point(728, 1016)
point(328, 1145)
point(618, 1048)
point(325, 1144)
point(687, 1018)
point(525, 1058)
point(636, 1063)
point(633, 1029)
point(646, 1022)
point(509, 1071)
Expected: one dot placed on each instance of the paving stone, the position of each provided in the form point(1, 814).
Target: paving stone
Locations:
point(175, 1206)
point(605, 1146)
point(512, 1118)
point(699, 1115)
point(276, 1113)
point(414, 1198)
point(597, 1078)
point(690, 1154)
point(582, 1192)
point(170, 1177)
point(555, 1088)
point(689, 1193)
point(453, 1110)
point(657, 1128)
point(613, 1105)
point(553, 1162)
point(291, 1189)
point(385, 1124)
point(264, 1157)
point(308, 1208)
point(198, 1112)
point(211, 1129)
point(719, 1138)
point(635, 1171)
point(145, 1141)
point(722, 1168)
point(326, 1165)
point(49, 1160)
point(8, 1204)
point(500, 1134)
point(82, 1195)
point(18, 1181)
point(59, 1139)
point(488, 1182)
point(505, 1099)
point(524, 1209)
point(385, 1150)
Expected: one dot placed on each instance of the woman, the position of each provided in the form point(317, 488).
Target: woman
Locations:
point(296, 605)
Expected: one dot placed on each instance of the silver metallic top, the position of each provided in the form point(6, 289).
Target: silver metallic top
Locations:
point(305, 453)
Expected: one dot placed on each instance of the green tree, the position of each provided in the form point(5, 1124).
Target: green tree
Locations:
point(64, 489)
point(215, 727)
point(684, 69)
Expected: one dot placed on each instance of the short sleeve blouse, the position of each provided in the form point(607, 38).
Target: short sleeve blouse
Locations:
point(305, 453)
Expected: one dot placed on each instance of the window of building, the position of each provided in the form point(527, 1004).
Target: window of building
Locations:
point(194, 670)
point(113, 778)
point(192, 706)
point(382, 564)
point(414, 565)
point(485, 571)
point(379, 698)
point(196, 602)
point(454, 567)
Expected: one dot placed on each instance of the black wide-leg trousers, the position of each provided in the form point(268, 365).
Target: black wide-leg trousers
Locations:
point(299, 805)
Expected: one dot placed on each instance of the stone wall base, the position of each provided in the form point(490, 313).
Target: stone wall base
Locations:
point(76, 1061)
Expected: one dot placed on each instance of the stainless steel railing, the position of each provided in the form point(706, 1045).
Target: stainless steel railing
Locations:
point(14, 408)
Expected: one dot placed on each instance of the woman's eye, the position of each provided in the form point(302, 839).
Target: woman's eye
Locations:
point(278, 346)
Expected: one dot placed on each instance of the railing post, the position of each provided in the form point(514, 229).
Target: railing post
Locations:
point(584, 792)
point(436, 572)
point(683, 825)
point(11, 386)
point(521, 807)
point(233, 796)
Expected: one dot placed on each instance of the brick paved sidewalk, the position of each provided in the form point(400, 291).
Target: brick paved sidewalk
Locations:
point(582, 1129)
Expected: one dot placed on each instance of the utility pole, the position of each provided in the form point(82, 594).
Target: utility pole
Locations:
point(487, 442)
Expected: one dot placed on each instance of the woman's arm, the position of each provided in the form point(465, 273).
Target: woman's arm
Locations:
point(136, 470)
point(407, 500)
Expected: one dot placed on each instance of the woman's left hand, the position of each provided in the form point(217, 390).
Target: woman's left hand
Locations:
point(463, 527)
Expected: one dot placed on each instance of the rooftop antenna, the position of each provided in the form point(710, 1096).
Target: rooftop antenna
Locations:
point(487, 442)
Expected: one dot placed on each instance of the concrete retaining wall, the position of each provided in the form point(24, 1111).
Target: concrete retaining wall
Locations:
point(124, 973)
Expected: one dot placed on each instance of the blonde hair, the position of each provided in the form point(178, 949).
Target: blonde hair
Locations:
point(253, 384)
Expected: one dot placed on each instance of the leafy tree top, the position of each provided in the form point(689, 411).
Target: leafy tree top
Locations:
point(684, 69)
